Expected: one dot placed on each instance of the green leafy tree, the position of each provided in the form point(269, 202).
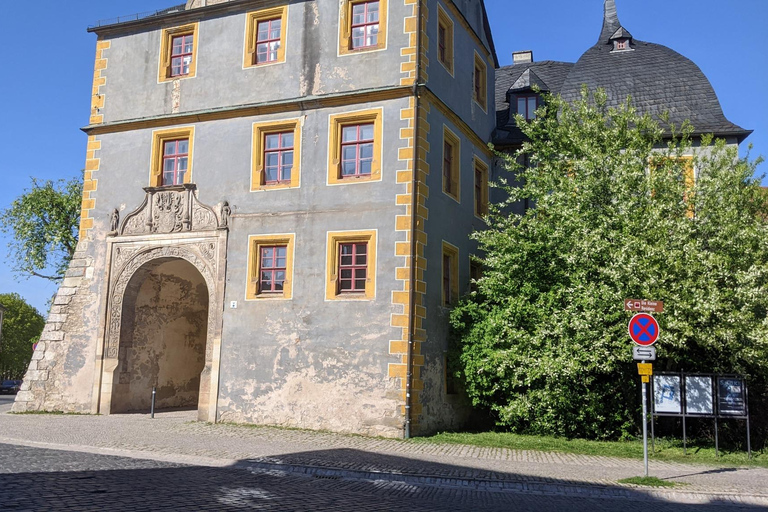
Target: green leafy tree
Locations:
point(44, 225)
point(543, 341)
point(22, 325)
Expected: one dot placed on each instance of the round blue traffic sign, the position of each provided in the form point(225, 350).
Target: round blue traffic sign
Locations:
point(643, 329)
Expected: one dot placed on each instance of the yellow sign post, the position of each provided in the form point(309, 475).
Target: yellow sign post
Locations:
point(644, 369)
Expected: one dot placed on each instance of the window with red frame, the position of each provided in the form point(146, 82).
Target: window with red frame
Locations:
point(353, 267)
point(356, 150)
point(175, 161)
point(268, 40)
point(526, 106)
point(448, 167)
point(621, 44)
point(272, 268)
point(479, 196)
point(441, 44)
point(365, 24)
point(278, 157)
point(447, 298)
point(181, 54)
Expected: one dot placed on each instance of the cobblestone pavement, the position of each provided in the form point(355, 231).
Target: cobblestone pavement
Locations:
point(261, 461)
point(35, 479)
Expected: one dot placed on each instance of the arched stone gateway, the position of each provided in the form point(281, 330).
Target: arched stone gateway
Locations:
point(163, 313)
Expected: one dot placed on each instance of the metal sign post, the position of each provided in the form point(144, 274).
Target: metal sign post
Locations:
point(644, 331)
point(645, 370)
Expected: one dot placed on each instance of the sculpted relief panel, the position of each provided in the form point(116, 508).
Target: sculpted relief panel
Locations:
point(172, 209)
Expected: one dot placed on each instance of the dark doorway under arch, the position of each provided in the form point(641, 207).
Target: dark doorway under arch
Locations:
point(162, 337)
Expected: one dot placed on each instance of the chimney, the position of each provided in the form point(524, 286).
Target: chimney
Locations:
point(522, 57)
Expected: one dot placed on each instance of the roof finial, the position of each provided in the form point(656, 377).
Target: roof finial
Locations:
point(610, 21)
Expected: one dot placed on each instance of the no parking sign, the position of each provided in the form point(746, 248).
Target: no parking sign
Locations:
point(643, 329)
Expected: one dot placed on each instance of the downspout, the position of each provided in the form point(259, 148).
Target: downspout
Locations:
point(414, 224)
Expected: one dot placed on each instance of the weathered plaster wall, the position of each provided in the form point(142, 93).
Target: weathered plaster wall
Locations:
point(311, 68)
point(163, 336)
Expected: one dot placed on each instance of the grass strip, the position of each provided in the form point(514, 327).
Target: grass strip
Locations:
point(666, 449)
point(647, 481)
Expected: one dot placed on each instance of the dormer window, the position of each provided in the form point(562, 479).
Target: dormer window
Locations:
point(621, 44)
point(526, 106)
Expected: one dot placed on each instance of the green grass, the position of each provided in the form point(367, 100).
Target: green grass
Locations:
point(666, 449)
point(648, 481)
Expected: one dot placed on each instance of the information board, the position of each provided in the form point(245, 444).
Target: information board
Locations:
point(731, 397)
point(666, 394)
point(698, 395)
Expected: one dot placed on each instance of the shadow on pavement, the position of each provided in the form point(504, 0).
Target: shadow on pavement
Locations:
point(338, 480)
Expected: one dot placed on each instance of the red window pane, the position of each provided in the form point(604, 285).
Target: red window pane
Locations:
point(278, 157)
point(175, 161)
point(353, 267)
point(356, 150)
point(272, 268)
point(365, 24)
point(181, 54)
point(447, 166)
point(268, 40)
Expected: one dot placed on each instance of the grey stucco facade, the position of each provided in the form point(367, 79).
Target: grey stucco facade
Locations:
point(311, 357)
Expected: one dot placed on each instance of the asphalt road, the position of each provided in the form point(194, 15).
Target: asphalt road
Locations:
point(36, 479)
point(7, 399)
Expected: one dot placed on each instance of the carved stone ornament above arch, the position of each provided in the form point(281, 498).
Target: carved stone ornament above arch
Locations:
point(170, 209)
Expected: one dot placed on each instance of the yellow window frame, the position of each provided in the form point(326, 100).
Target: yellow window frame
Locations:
point(455, 173)
point(255, 242)
point(167, 35)
point(452, 252)
point(481, 166)
point(252, 20)
point(444, 21)
point(260, 131)
point(334, 241)
point(159, 138)
point(345, 28)
point(335, 124)
point(481, 98)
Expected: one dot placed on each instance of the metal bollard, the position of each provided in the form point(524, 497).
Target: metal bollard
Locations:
point(152, 412)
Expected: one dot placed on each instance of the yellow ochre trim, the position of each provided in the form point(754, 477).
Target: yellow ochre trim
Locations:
point(445, 21)
point(335, 124)
point(335, 239)
point(99, 80)
point(167, 35)
point(479, 165)
point(252, 20)
point(453, 140)
point(452, 252)
point(345, 28)
point(255, 242)
point(260, 131)
point(159, 137)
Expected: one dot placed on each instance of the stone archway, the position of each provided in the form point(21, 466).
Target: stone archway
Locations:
point(132, 263)
point(163, 336)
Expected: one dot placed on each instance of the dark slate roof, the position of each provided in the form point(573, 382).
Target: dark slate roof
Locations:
point(657, 79)
point(550, 73)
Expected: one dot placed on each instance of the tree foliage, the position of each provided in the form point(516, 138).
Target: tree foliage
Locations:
point(22, 325)
point(44, 225)
point(543, 341)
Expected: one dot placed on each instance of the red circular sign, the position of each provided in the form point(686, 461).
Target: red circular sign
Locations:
point(643, 329)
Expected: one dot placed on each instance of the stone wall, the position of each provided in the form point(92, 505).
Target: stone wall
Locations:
point(60, 360)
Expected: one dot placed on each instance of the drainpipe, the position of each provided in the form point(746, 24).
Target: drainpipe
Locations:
point(414, 223)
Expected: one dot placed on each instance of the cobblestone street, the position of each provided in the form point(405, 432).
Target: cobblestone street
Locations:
point(130, 462)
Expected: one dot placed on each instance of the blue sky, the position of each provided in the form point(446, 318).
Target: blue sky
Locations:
point(45, 80)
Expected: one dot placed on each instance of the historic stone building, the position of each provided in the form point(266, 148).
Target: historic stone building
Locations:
point(278, 198)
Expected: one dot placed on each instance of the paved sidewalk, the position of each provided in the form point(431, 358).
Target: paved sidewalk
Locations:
point(175, 437)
